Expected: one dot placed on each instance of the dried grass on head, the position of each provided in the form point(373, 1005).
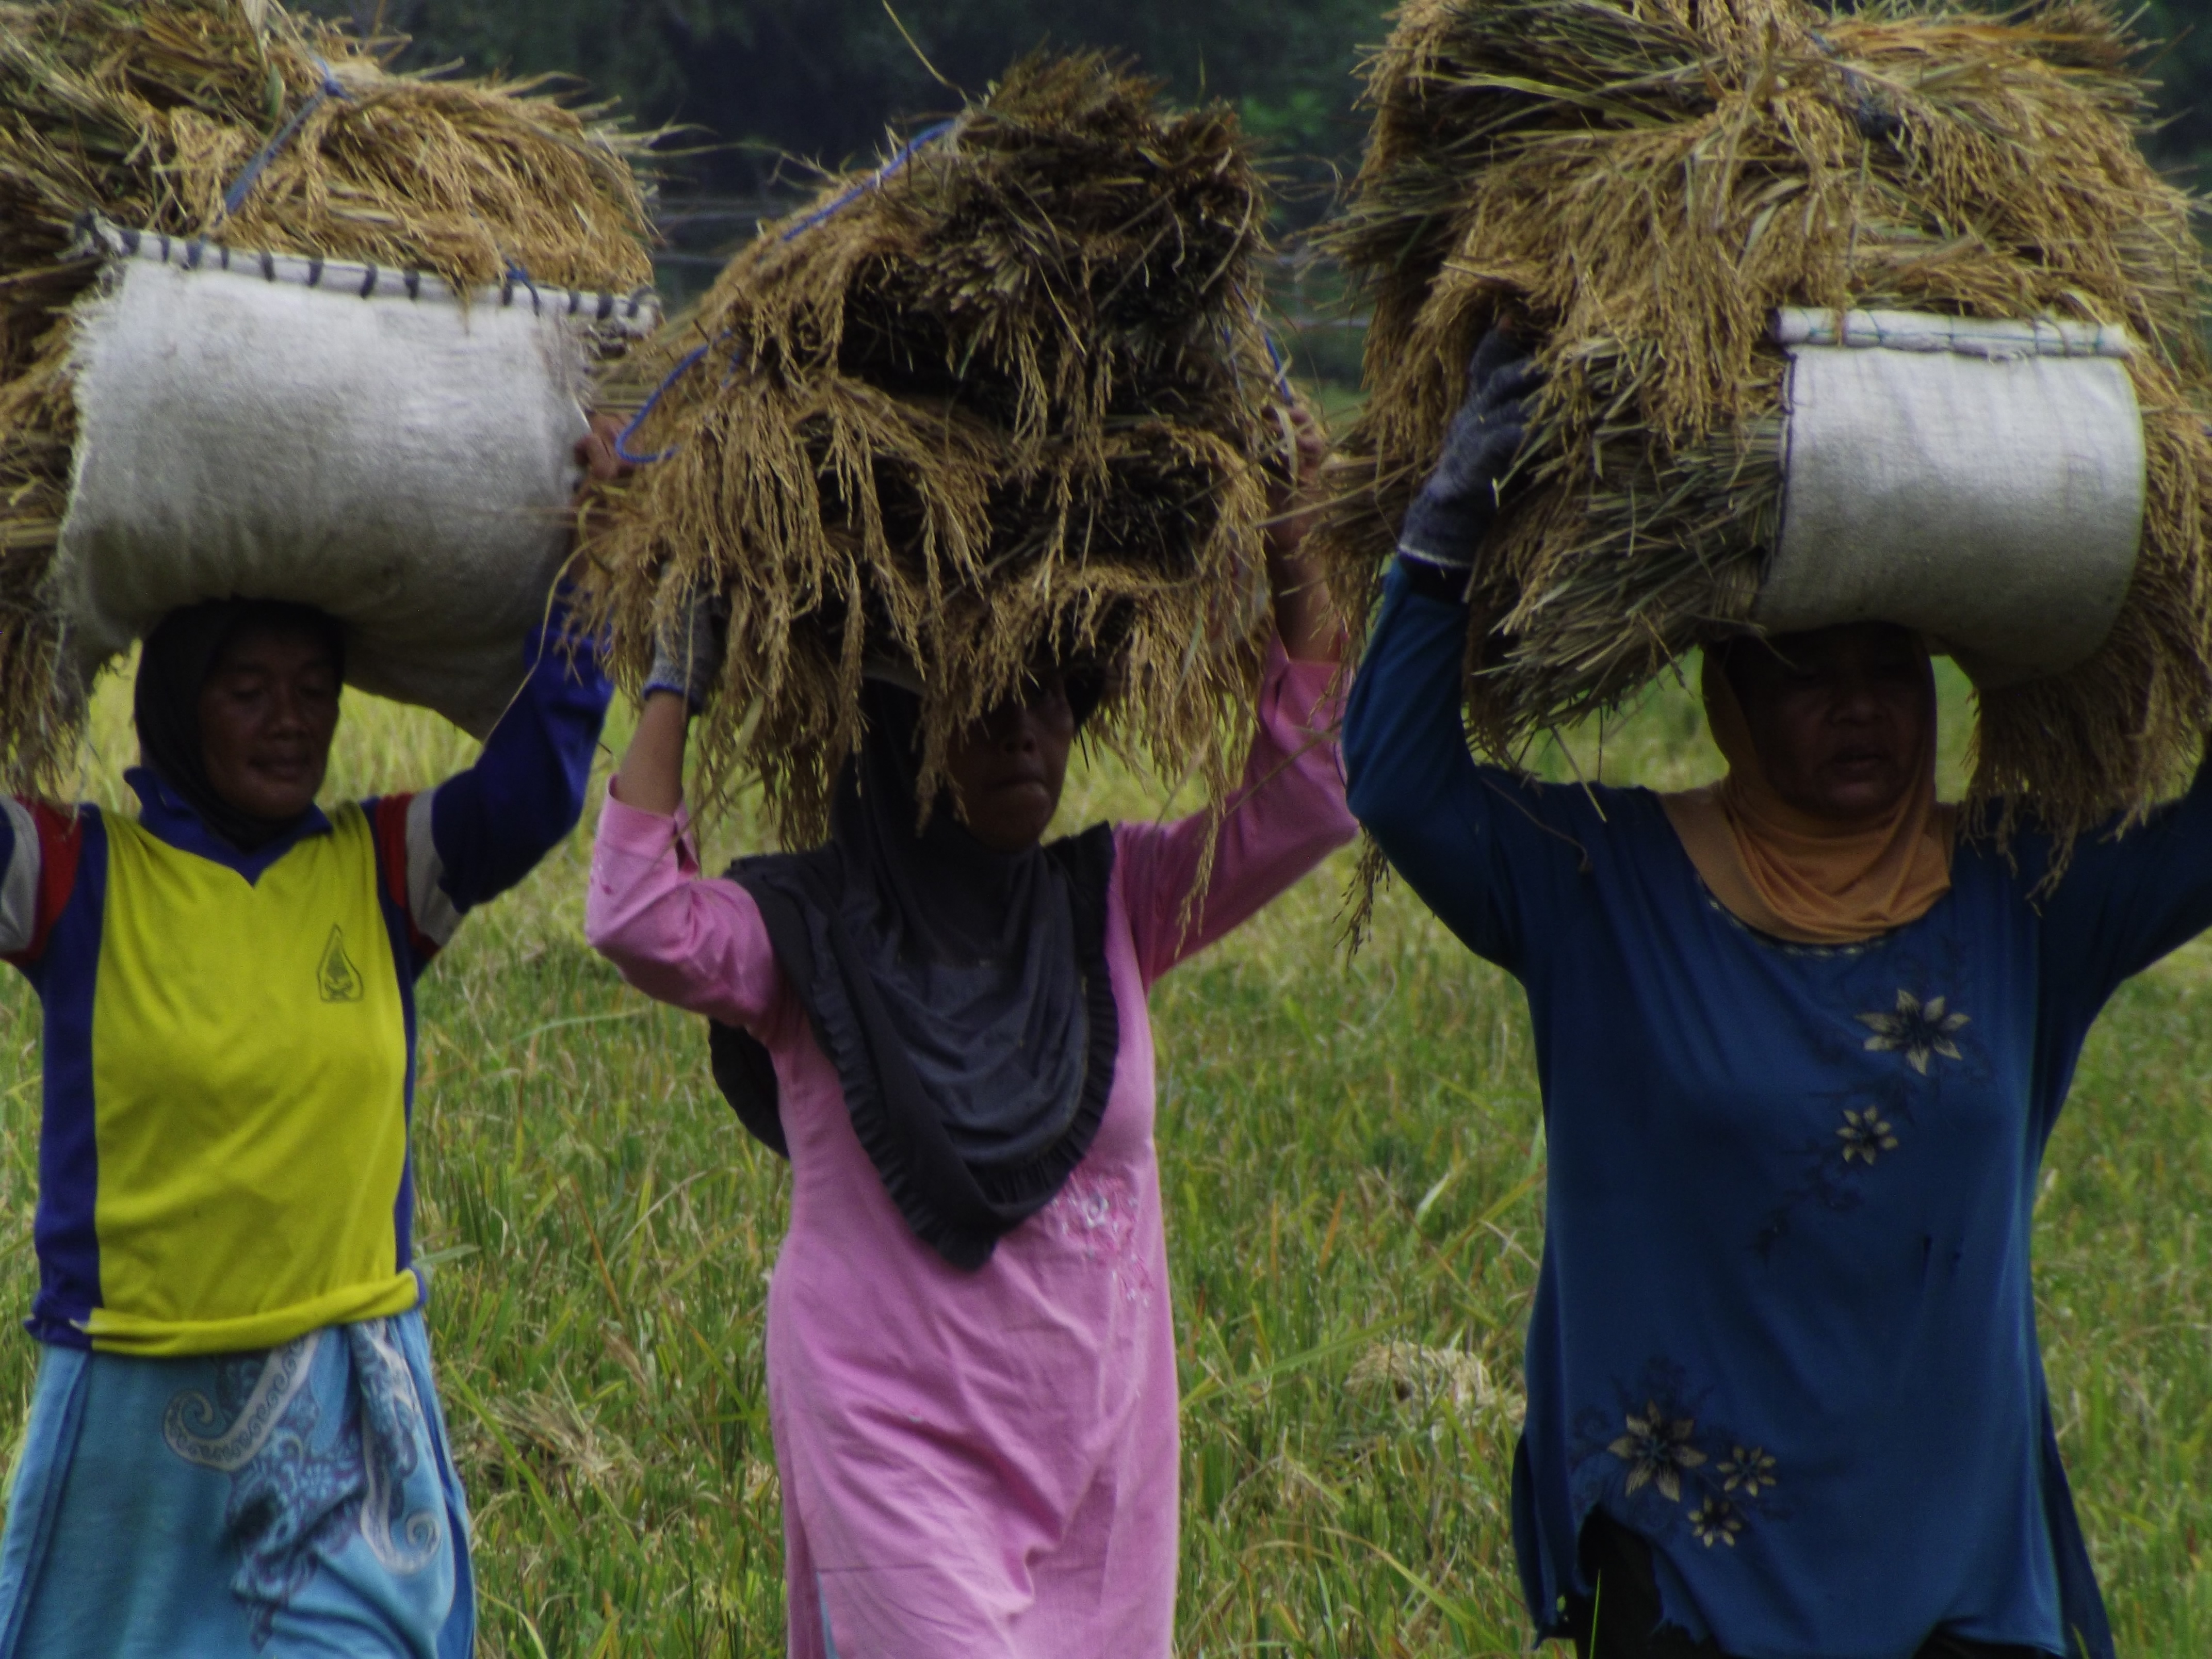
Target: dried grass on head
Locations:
point(1641, 184)
point(1002, 402)
point(146, 110)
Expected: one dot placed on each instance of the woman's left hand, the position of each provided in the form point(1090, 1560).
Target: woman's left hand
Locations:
point(598, 452)
point(1304, 617)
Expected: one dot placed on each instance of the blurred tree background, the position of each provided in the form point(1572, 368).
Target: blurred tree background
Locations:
point(768, 86)
point(821, 79)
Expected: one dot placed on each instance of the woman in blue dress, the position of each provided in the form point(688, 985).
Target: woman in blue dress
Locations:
point(1801, 1046)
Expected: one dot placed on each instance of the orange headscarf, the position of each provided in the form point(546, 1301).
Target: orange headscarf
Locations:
point(1801, 878)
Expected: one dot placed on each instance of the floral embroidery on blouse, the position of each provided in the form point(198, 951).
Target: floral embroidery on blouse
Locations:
point(1098, 1215)
point(1747, 1470)
point(1657, 1449)
point(1716, 1521)
point(1870, 1121)
point(1916, 1029)
point(1879, 1107)
point(1866, 1135)
point(1658, 1460)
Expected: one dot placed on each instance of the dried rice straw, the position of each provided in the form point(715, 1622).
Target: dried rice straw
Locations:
point(148, 111)
point(1641, 183)
point(1004, 400)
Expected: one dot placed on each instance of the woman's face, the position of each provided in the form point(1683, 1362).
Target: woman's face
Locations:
point(1839, 716)
point(267, 714)
point(1008, 768)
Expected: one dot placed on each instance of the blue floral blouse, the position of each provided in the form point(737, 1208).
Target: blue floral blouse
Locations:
point(1784, 1327)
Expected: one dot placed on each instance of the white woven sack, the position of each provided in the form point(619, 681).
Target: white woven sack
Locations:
point(334, 436)
point(1981, 482)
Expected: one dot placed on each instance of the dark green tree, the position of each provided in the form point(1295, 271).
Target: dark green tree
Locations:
point(820, 79)
point(2183, 67)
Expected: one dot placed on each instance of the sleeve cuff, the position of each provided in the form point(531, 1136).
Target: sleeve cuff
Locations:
point(1446, 584)
point(1302, 692)
point(625, 828)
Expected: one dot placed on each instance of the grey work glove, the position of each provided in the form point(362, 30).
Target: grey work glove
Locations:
point(689, 649)
point(1446, 523)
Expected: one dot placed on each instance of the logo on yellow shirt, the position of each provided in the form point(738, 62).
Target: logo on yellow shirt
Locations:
point(341, 980)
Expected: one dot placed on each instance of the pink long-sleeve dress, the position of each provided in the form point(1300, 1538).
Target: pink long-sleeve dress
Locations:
point(978, 1465)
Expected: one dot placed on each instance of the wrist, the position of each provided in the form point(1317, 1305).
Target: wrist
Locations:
point(1447, 584)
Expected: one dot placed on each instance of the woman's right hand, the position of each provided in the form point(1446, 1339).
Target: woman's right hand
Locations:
point(688, 649)
point(687, 663)
point(1445, 526)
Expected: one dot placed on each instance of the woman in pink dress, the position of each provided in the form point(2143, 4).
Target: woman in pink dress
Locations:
point(970, 1356)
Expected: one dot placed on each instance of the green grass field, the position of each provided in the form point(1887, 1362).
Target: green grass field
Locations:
point(1352, 1159)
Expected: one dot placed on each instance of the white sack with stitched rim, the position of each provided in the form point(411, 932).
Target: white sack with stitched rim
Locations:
point(1980, 482)
point(405, 464)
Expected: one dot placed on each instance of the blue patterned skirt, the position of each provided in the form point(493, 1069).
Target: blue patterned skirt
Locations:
point(271, 1505)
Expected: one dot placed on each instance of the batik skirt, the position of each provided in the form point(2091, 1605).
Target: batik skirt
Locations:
point(272, 1506)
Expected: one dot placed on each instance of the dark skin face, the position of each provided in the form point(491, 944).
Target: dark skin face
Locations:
point(1008, 769)
point(1839, 717)
point(267, 715)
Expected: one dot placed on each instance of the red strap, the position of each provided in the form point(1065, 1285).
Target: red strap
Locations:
point(389, 829)
point(61, 845)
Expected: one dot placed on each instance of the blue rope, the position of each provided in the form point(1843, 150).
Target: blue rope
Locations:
point(1282, 367)
point(622, 442)
point(692, 359)
point(873, 182)
point(235, 198)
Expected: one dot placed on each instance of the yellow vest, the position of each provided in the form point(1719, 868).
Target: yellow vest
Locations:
point(249, 1055)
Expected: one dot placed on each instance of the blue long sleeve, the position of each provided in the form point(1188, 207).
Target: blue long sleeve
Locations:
point(1487, 852)
point(2124, 901)
point(492, 823)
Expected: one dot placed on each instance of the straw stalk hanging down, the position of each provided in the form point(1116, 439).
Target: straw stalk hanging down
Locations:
point(1640, 184)
point(1005, 399)
point(148, 112)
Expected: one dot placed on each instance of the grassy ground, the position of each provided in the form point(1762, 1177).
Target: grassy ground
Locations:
point(1352, 1157)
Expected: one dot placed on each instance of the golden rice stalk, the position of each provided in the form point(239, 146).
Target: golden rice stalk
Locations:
point(1641, 184)
point(146, 110)
point(1004, 401)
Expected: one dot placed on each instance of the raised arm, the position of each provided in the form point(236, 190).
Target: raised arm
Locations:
point(697, 944)
point(1288, 813)
point(1445, 823)
point(1464, 837)
point(2126, 900)
point(1285, 818)
point(482, 830)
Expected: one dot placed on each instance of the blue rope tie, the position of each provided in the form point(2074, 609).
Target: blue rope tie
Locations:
point(1282, 367)
point(874, 181)
point(622, 442)
point(235, 198)
point(692, 359)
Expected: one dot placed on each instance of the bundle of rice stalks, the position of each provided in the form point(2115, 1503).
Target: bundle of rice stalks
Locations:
point(148, 112)
point(1004, 400)
point(1641, 184)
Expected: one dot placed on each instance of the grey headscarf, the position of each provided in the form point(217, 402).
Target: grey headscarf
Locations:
point(962, 994)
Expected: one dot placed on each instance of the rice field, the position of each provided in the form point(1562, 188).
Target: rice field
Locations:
point(1353, 1168)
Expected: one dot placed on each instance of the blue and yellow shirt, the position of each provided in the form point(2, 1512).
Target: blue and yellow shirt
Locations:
point(229, 1044)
